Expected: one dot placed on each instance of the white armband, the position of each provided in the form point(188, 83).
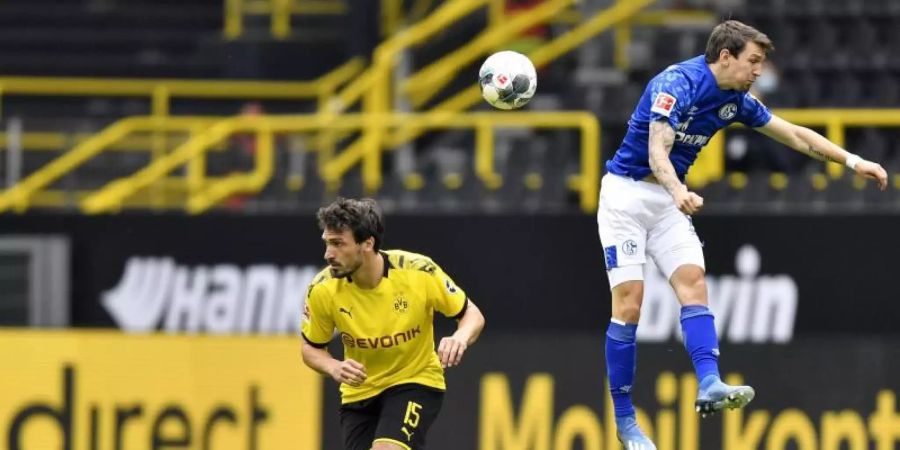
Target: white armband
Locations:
point(852, 161)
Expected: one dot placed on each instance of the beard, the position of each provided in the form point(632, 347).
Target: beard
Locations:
point(344, 272)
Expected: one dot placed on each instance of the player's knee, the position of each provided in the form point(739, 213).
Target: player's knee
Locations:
point(628, 313)
point(689, 283)
point(627, 298)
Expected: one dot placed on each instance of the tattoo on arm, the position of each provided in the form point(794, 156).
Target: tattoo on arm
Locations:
point(811, 151)
point(662, 137)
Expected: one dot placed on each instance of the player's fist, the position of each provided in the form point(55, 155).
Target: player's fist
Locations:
point(349, 372)
point(450, 351)
point(687, 201)
point(873, 171)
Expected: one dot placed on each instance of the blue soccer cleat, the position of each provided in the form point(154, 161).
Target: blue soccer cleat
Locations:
point(631, 436)
point(715, 396)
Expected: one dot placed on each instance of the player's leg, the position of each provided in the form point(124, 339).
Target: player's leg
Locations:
point(623, 236)
point(621, 354)
point(358, 423)
point(407, 413)
point(674, 246)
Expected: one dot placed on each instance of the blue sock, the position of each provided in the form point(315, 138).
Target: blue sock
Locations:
point(700, 340)
point(621, 361)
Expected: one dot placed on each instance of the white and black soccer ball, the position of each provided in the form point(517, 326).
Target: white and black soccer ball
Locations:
point(507, 79)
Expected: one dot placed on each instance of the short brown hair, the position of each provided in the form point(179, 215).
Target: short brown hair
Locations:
point(361, 217)
point(734, 35)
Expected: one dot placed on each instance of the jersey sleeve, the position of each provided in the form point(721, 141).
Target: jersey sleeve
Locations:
point(317, 324)
point(753, 112)
point(670, 96)
point(445, 295)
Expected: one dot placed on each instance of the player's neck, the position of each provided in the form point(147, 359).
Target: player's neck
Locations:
point(720, 74)
point(370, 272)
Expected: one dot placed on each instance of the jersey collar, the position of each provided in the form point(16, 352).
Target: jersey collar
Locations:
point(387, 263)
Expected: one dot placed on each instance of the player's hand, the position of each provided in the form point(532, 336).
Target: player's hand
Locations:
point(349, 372)
point(687, 201)
point(873, 171)
point(450, 351)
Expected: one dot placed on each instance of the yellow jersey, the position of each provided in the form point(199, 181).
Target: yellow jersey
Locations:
point(388, 329)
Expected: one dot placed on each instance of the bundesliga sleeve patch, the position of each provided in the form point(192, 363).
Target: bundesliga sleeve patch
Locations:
point(663, 104)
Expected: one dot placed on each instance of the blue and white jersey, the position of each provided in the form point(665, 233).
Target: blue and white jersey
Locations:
point(687, 96)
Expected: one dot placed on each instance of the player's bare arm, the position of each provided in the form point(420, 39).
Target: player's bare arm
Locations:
point(452, 348)
point(818, 147)
point(662, 137)
point(347, 371)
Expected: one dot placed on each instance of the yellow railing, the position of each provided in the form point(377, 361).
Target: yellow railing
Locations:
point(378, 87)
point(428, 81)
point(280, 12)
point(710, 164)
point(19, 196)
point(393, 16)
point(57, 141)
point(387, 52)
point(162, 91)
point(377, 76)
point(656, 19)
point(111, 197)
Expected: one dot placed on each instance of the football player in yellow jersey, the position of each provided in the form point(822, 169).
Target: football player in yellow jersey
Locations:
point(382, 305)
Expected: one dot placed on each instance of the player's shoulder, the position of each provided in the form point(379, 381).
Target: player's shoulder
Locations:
point(323, 283)
point(749, 97)
point(404, 260)
point(688, 72)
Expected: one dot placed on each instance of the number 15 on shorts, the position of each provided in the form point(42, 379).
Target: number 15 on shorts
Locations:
point(410, 419)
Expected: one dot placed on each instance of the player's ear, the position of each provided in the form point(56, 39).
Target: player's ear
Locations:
point(725, 55)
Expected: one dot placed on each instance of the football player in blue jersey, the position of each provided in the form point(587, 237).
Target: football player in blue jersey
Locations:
point(645, 206)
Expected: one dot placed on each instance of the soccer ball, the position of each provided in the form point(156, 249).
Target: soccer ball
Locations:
point(508, 80)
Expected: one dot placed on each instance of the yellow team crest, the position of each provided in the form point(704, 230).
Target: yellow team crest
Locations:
point(400, 304)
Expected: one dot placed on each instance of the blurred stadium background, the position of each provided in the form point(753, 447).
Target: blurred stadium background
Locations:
point(162, 161)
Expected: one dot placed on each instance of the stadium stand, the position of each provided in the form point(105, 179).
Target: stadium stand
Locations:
point(833, 54)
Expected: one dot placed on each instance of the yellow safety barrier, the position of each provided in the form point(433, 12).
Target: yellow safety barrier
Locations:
point(280, 12)
point(710, 165)
point(655, 19)
point(377, 76)
point(393, 16)
point(340, 164)
point(428, 81)
point(386, 52)
point(94, 389)
point(110, 197)
point(56, 141)
point(162, 91)
point(18, 197)
point(376, 84)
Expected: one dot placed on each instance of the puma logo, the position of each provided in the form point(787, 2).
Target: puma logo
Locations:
point(346, 311)
point(407, 433)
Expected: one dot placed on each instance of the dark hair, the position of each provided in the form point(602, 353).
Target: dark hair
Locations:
point(734, 35)
point(361, 217)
